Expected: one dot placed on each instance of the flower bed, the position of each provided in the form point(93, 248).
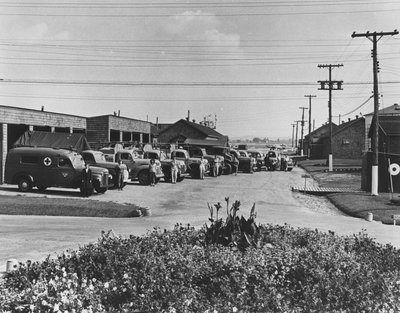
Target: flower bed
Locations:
point(288, 270)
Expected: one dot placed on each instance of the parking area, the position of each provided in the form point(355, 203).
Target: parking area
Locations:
point(34, 237)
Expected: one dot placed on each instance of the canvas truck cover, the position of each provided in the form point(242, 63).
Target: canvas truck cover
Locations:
point(68, 141)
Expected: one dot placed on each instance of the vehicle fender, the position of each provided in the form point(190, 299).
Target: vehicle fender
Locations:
point(23, 174)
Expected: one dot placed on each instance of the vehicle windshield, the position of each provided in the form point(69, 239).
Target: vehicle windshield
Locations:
point(77, 161)
point(99, 157)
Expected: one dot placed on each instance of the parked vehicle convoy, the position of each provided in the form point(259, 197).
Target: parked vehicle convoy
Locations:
point(192, 164)
point(97, 158)
point(30, 167)
point(259, 158)
point(215, 161)
point(138, 168)
point(272, 160)
point(246, 163)
point(287, 163)
point(166, 164)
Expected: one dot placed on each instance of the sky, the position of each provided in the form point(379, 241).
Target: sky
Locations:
point(245, 64)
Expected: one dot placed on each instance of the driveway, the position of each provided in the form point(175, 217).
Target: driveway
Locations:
point(35, 237)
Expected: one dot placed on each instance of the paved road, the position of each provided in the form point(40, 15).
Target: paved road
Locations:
point(34, 237)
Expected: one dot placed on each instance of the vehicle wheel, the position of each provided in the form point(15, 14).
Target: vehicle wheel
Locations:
point(250, 169)
point(227, 169)
point(195, 171)
point(167, 176)
point(143, 177)
point(101, 189)
point(180, 178)
point(113, 179)
point(42, 188)
point(24, 184)
point(82, 191)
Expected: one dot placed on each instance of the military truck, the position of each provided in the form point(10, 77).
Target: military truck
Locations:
point(166, 164)
point(138, 168)
point(215, 161)
point(97, 158)
point(30, 167)
point(192, 164)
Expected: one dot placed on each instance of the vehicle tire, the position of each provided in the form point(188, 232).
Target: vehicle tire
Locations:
point(24, 184)
point(42, 188)
point(167, 176)
point(249, 168)
point(180, 178)
point(227, 170)
point(82, 191)
point(195, 171)
point(143, 177)
point(113, 179)
point(101, 189)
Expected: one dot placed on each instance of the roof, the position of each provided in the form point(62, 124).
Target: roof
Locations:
point(204, 142)
point(53, 140)
point(207, 131)
point(320, 129)
point(392, 110)
point(346, 125)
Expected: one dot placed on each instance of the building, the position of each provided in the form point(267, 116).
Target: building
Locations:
point(114, 128)
point(14, 122)
point(315, 141)
point(348, 139)
point(184, 131)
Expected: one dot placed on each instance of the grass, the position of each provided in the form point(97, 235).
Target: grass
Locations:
point(20, 205)
point(383, 206)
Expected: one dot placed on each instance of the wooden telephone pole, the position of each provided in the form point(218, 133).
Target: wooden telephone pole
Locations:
point(302, 130)
point(309, 125)
point(375, 37)
point(332, 85)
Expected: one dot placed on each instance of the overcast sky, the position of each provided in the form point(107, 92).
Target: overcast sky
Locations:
point(249, 63)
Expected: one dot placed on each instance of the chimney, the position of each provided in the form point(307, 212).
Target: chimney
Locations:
point(119, 112)
point(42, 108)
point(356, 116)
point(188, 116)
point(349, 119)
point(194, 121)
point(396, 106)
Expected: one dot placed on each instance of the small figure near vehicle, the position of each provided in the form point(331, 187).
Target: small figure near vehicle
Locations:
point(120, 175)
point(87, 186)
point(152, 172)
point(235, 165)
point(174, 170)
point(202, 167)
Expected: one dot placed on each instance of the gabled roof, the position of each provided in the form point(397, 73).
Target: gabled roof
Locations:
point(207, 131)
point(321, 128)
point(346, 125)
point(158, 128)
point(392, 110)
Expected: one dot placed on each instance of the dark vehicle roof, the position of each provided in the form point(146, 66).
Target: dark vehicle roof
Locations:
point(41, 151)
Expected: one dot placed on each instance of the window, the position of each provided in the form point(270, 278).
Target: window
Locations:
point(29, 159)
point(345, 142)
point(64, 162)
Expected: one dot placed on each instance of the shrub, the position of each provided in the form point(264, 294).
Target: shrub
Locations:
point(289, 270)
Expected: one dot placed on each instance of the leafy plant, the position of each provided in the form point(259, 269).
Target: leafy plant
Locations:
point(235, 231)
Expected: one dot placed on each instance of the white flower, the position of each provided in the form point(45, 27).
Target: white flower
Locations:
point(115, 288)
point(94, 280)
point(106, 285)
point(234, 310)
point(91, 287)
point(126, 276)
point(31, 307)
point(56, 307)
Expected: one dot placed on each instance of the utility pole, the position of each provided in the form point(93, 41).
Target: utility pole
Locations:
point(297, 131)
point(375, 135)
point(302, 129)
point(293, 125)
point(332, 85)
point(309, 124)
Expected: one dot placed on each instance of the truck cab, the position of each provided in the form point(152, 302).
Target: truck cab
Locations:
point(97, 158)
point(138, 168)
